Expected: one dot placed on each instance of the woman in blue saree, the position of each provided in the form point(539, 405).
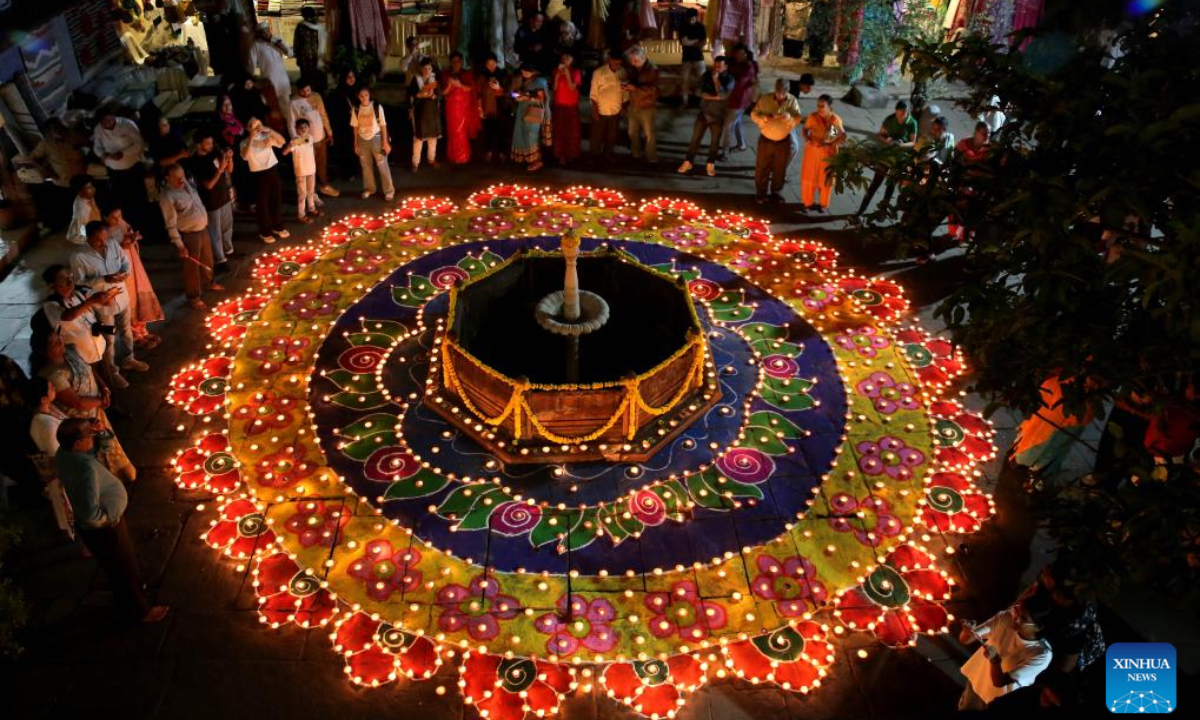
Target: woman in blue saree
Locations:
point(531, 126)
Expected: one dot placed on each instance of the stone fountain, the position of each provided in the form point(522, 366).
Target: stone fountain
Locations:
point(571, 312)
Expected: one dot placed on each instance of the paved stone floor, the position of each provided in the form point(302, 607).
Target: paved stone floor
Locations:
point(211, 658)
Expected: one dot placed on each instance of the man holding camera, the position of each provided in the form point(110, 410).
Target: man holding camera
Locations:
point(76, 313)
point(101, 265)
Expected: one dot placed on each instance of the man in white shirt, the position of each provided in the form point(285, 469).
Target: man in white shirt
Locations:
point(309, 105)
point(118, 142)
point(266, 61)
point(1012, 654)
point(102, 264)
point(187, 226)
point(74, 313)
point(608, 100)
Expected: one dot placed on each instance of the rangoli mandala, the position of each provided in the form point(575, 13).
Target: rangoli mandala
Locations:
point(429, 508)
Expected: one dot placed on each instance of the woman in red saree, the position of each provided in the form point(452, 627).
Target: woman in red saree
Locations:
point(462, 110)
point(567, 80)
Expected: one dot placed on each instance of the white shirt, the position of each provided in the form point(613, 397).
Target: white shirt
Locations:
point(369, 119)
point(302, 108)
point(303, 161)
point(77, 332)
point(123, 138)
point(89, 268)
point(44, 430)
point(1022, 660)
point(259, 151)
point(82, 213)
point(607, 95)
point(183, 211)
point(267, 59)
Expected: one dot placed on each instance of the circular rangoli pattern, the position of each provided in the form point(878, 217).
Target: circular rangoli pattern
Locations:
point(795, 510)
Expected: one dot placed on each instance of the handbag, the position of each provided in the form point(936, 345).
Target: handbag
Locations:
point(535, 113)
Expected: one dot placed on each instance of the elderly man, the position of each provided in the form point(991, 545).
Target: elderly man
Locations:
point(266, 61)
point(642, 87)
point(102, 264)
point(187, 226)
point(608, 99)
point(777, 114)
point(308, 105)
point(118, 142)
point(99, 500)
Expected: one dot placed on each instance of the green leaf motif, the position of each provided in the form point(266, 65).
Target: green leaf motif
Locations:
point(418, 291)
point(459, 502)
point(583, 530)
point(711, 490)
point(353, 382)
point(360, 401)
point(552, 524)
point(612, 519)
point(424, 483)
point(362, 448)
point(788, 394)
point(776, 422)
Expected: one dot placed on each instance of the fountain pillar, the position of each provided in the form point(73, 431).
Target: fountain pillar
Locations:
point(570, 251)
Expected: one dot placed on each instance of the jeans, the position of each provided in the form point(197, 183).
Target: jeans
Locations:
point(118, 347)
point(641, 129)
point(220, 231)
point(370, 157)
point(734, 137)
point(714, 129)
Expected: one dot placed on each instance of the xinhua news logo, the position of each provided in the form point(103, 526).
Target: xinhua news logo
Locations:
point(1140, 678)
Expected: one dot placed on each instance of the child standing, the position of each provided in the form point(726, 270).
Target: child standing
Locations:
point(304, 162)
point(144, 307)
point(84, 210)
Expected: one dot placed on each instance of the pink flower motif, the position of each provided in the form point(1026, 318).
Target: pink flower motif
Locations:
point(477, 608)
point(282, 352)
point(681, 612)
point(780, 366)
point(619, 223)
point(648, 507)
point(703, 289)
point(746, 465)
point(424, 236)
point(877, 520)
point(866, 341)
point(889, 456)
point(308, 304)
point(445, 277)
point(265, 411)
point(361, 359)
point(515, 518)
point(388, 464)
point(554, 222)
point(359, 262)
point(820, 296)
point(385, 569)
point(791, 583)
point(317, 523)
point(686, 236)
point(579, 622)
point(490, 225)
point(889, 395)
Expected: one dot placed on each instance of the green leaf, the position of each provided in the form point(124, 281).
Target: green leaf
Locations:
point(727, 299)
point(776, 422)
point(583, 530)
point(612, 519)
point(371, 424)
point(763, 331)
point(675, 496)
point(371, 339)
point(458, 502)
point(701, 486)
point(552, 524)
point(362, 448)
point(353, 382)
point(424, 483)
point(789, 394)
point(360, 401)
point(485, 504)
point(763, 439)
point(776, 347)
point(418, 291)
point(734, 314)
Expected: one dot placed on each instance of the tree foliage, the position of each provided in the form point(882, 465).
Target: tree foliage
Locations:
point(1083, 253)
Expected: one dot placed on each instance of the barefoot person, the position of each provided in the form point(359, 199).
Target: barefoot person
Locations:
point(823, 135)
